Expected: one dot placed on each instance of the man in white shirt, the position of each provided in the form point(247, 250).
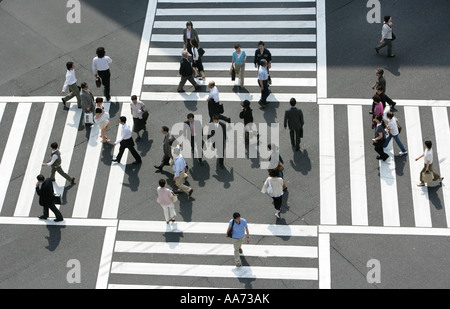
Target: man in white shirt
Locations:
point(387, 36)
point(126, 141)
point(179, 166)
point(55, 164)
point(71, 83)
point(214, 106)
point(263, 80)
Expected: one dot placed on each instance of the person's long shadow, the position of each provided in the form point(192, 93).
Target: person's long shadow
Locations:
point(133, 177)
point(301, 162)
point(54, 237)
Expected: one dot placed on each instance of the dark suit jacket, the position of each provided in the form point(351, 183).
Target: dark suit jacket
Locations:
point(45, 193)
point(185, 67)
point(294, 118)
point(213, 108)
point(194, 35)
point(166, 146)
point(197, 128)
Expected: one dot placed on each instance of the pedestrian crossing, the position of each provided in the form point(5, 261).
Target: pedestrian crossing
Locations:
point(288, 29)
point(210, 264)
point(358, 190)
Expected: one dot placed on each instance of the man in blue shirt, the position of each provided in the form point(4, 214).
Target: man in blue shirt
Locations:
point(238, 227)
point(263, 80)
point(179, 165)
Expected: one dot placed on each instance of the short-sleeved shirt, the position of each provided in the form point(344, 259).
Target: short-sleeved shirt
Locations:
point(428, 156)
point(238, 228)
point(379, 130)
point(262, 73)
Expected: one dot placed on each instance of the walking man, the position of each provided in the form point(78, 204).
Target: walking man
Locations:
point(380, 86)
point(194, 133)
point(218, 137)
point(71, 83)
point(294, 118)
point(126, 141)
point(44, 189)
point(214, 106)
point(87, 102)
point(180, 172)
point(55, 164)
point(387, 36)
point(263, 80)
point(167, 148)
point(186, 72)
point(236, 231)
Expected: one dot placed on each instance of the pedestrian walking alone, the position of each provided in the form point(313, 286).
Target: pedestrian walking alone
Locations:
point(380, 138)
point(166, 199)
point(273, 186)
point(126, 142)
point(247, 115)
point(238, 62)
point(293, 118)
point(71, 84)
point(167, 148)
point(138, 110)
point(428, 167)
point(100, 68)
point(44, 189)
point(180, 173)
point(394, 132)
point(387, 37)
point(263, 81)
point(215, 108)
point(55, 164)
point(237, 228)
point(186, 73)
point(87, 103)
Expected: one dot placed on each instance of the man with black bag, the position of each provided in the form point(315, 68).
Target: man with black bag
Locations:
point(236, 231)
point(44, 188)
point(214, 106)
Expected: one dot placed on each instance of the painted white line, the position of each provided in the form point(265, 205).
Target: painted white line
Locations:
point(37, 157)
point(226, 52)
point(117, 171)
point(236, 12)
point(232, 38)
point(67, 145)
point(442, 131)
point(12, 148)
point(226, 97)
point(221, 81)
point(215, 271)
point(389, 197)
point(66, 222)
point(225, 66)
point(155, 287)
point(381, 230)
point(230, 1)
point(143, 48)
point(421, 202)
point(216, 228)
point(106, 258)
point(285, 24)
point(324, 261)
point(214, 249)
point(400, 103)
point(322, 75)
point(48, 99)
point(358, 186)
point(86, 182)
point(2, 110)
point(328, 211)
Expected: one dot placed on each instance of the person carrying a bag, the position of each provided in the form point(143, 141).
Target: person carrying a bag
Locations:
point(273, 186)
point(236, 231)
point(427, 171)
point(166, 198)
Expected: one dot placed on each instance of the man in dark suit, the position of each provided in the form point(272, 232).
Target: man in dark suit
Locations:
point(186, 72)
point(87, 101)
point(167, 148)
point(194, 133)
point(218, 139)
point(44, 188)
point(126, 142)
point(294, 118)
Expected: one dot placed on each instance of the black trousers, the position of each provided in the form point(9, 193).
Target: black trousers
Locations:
point(277, 202)
point(55, 210)
point(128, 144)
point(380, 150)
point(106, 81)
point(296, 137)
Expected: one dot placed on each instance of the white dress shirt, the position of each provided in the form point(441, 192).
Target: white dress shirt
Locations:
point(126, 133)
point(214, 94)
point(70, 79)
point(101, 64)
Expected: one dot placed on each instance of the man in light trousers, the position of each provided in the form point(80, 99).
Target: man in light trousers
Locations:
point(238, 227)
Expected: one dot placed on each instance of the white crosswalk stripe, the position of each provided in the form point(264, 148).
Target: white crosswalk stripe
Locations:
point(361, 155)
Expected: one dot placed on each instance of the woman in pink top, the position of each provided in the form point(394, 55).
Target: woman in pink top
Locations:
point(165, 199)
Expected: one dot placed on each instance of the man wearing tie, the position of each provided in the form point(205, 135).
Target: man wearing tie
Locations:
point(167, 148)
point(196, 137)
point(126, 141)
point(294, 118)
point(44, 189)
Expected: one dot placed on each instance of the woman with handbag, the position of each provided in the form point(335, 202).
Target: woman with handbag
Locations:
point(427, 171)
point(189, 33)
point(273, 186)
point(394, 131)
point(197, 64)
point(387, 37)
point(166, 198)
point(138, 110)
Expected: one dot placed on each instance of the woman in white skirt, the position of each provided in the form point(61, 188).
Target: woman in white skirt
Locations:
point(166, 200)
point(274, 188)
point(102, 119)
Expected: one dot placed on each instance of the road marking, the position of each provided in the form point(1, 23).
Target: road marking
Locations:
point(324, 261)
point(37, 157)
point(88, 174)
point(215, 271)
point(228, 52)
point(382, 230)
point(230, 1)
point(214, 249)
point(328, 211)
point(48, 99)
point(232, 38)
point(106, 258)
point(216, 228)
point(66, 222)
point(368, 102)
point(226, 97)
point(13, 146)
point(156, 287)
point(358, 186)
point(442, 131)
point(322, 75)
point(2, 110)
point(225, 66)
point(273, 24)
point(221, 81)
point(421, 204)
point(236, 11)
